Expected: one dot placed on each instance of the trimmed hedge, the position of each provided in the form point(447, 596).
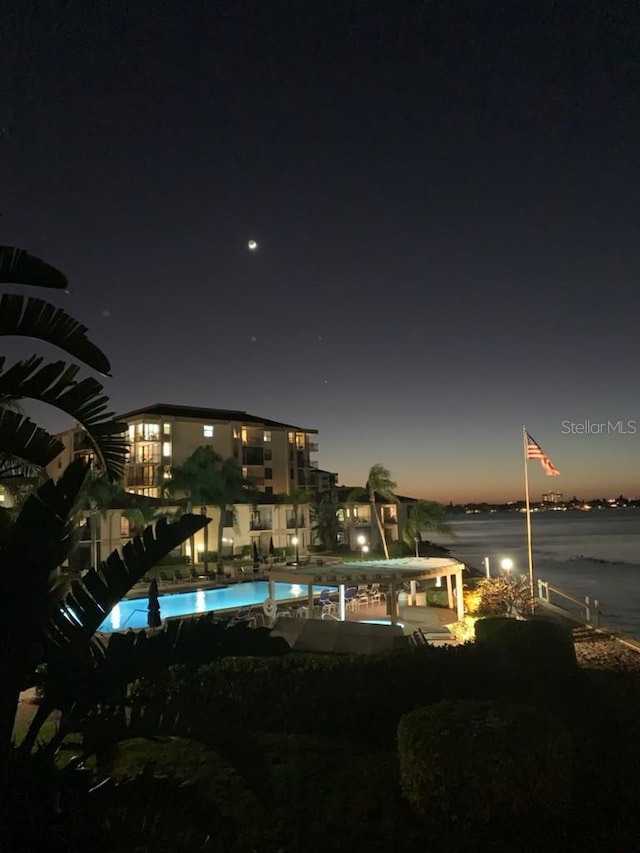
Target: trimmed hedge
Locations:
point(536, 646)
point(437, 597)
point(483, 761)
point(363, 695)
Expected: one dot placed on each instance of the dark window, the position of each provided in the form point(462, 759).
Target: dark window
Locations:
point(268, 490)
point(268, 473)
point(268, 453)
point(228, 518)
point(252, 455)
point(292, 474)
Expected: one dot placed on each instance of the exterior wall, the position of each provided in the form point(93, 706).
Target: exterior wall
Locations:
point(259, 523)
point(156, 442)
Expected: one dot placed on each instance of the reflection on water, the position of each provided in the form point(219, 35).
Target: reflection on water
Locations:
point(200, 601)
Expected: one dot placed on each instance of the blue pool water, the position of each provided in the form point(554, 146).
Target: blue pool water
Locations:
point(132, 612)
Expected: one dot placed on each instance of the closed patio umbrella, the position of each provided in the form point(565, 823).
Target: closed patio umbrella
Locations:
point(153, 607)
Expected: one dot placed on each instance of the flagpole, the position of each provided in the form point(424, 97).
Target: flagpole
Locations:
point(528, 510)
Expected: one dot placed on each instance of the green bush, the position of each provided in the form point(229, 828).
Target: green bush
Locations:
point(437, 597)
point(174, 560)
point(483, 761)
point(530, 646)
point(341, 693)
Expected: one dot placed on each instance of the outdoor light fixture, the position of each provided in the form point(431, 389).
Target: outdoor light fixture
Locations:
point(294, 541)
point(363, 546)
point(506, 564)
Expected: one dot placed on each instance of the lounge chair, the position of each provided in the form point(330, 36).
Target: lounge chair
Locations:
point(243, 615)
point(164, 577)
point(178, 576)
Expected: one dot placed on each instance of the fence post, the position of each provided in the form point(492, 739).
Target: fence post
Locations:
point(596, 607)
point(587, 608)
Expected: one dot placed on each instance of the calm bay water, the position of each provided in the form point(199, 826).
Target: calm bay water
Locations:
point(594, 553)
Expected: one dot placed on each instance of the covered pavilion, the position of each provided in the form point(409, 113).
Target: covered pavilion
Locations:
point(391, 573)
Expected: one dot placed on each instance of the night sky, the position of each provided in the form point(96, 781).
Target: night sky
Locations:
point(445, 197)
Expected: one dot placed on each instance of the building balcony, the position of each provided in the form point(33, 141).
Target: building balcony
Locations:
point(361, 522)
point(291, 523)
point(261, 525)
point(392, 520)
point(313, 446)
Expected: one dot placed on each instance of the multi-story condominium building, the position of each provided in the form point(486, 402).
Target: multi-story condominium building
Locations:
point(360, 529)
point(274, 455)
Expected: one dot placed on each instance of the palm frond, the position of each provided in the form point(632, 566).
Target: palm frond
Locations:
point(55, 383)
point(22, 439)
point(19, 267)
point(34, 318)
point(91, 599)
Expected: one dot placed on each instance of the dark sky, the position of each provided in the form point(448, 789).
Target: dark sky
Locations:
point(445, 196)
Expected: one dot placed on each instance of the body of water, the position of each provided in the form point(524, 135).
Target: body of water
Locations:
point(594, 553)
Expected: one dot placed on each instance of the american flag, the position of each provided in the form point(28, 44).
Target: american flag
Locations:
point(534, 451)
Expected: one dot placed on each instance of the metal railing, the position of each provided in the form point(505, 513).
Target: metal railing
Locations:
point(588, 609)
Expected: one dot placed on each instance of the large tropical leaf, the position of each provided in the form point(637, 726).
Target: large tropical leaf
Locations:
point(19, 267)
point(55, 383)
point(91, 599)
point(22, 439)
point(31, 552)
point(34, 318)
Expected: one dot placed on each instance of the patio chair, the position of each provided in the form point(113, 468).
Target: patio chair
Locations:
point(178, 576)
point(351, 600)
point(326, 605)
point(363, 595)
point(375, 596)
point(164, 577)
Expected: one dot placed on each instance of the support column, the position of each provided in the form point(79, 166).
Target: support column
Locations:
point(449, 592)
point(459, 595)
point(393, 603)
point(414, 592)
point(342, 608)
point(310, 601)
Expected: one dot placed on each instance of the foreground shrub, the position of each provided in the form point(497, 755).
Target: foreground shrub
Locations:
point(531, 647)
point(481, 761)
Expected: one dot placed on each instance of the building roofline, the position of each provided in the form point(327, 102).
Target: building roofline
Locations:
point(199, 412)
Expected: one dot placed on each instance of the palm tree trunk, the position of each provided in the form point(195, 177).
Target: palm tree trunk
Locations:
point(378, 519)
point(222, 510)
point(192, 546)
point(93, 528)
point(205, 534)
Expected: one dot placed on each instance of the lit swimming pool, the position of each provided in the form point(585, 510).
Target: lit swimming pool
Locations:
point(132, 612)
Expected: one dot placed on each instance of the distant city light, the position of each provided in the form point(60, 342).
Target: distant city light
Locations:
point(252, 245)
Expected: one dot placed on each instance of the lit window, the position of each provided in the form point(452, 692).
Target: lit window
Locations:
point(151, 432)
point(166, 429)
point(267, 435)
point(132, 432)
point(207, 430)
point(166, 448)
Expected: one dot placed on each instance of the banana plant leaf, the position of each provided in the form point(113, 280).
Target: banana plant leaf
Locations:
point(55, 383)
point(34, 318)
point(22, 439)
point(19, 267)
point(92, 598)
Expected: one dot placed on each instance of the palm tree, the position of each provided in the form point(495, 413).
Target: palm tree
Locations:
point(379, 482)
point(24, 445)
point(425, 515)
point(208, 479)
point(324, 512)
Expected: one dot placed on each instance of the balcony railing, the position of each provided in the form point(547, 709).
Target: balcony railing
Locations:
point(260, 525)
point(313, 446)
point(291, 523)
